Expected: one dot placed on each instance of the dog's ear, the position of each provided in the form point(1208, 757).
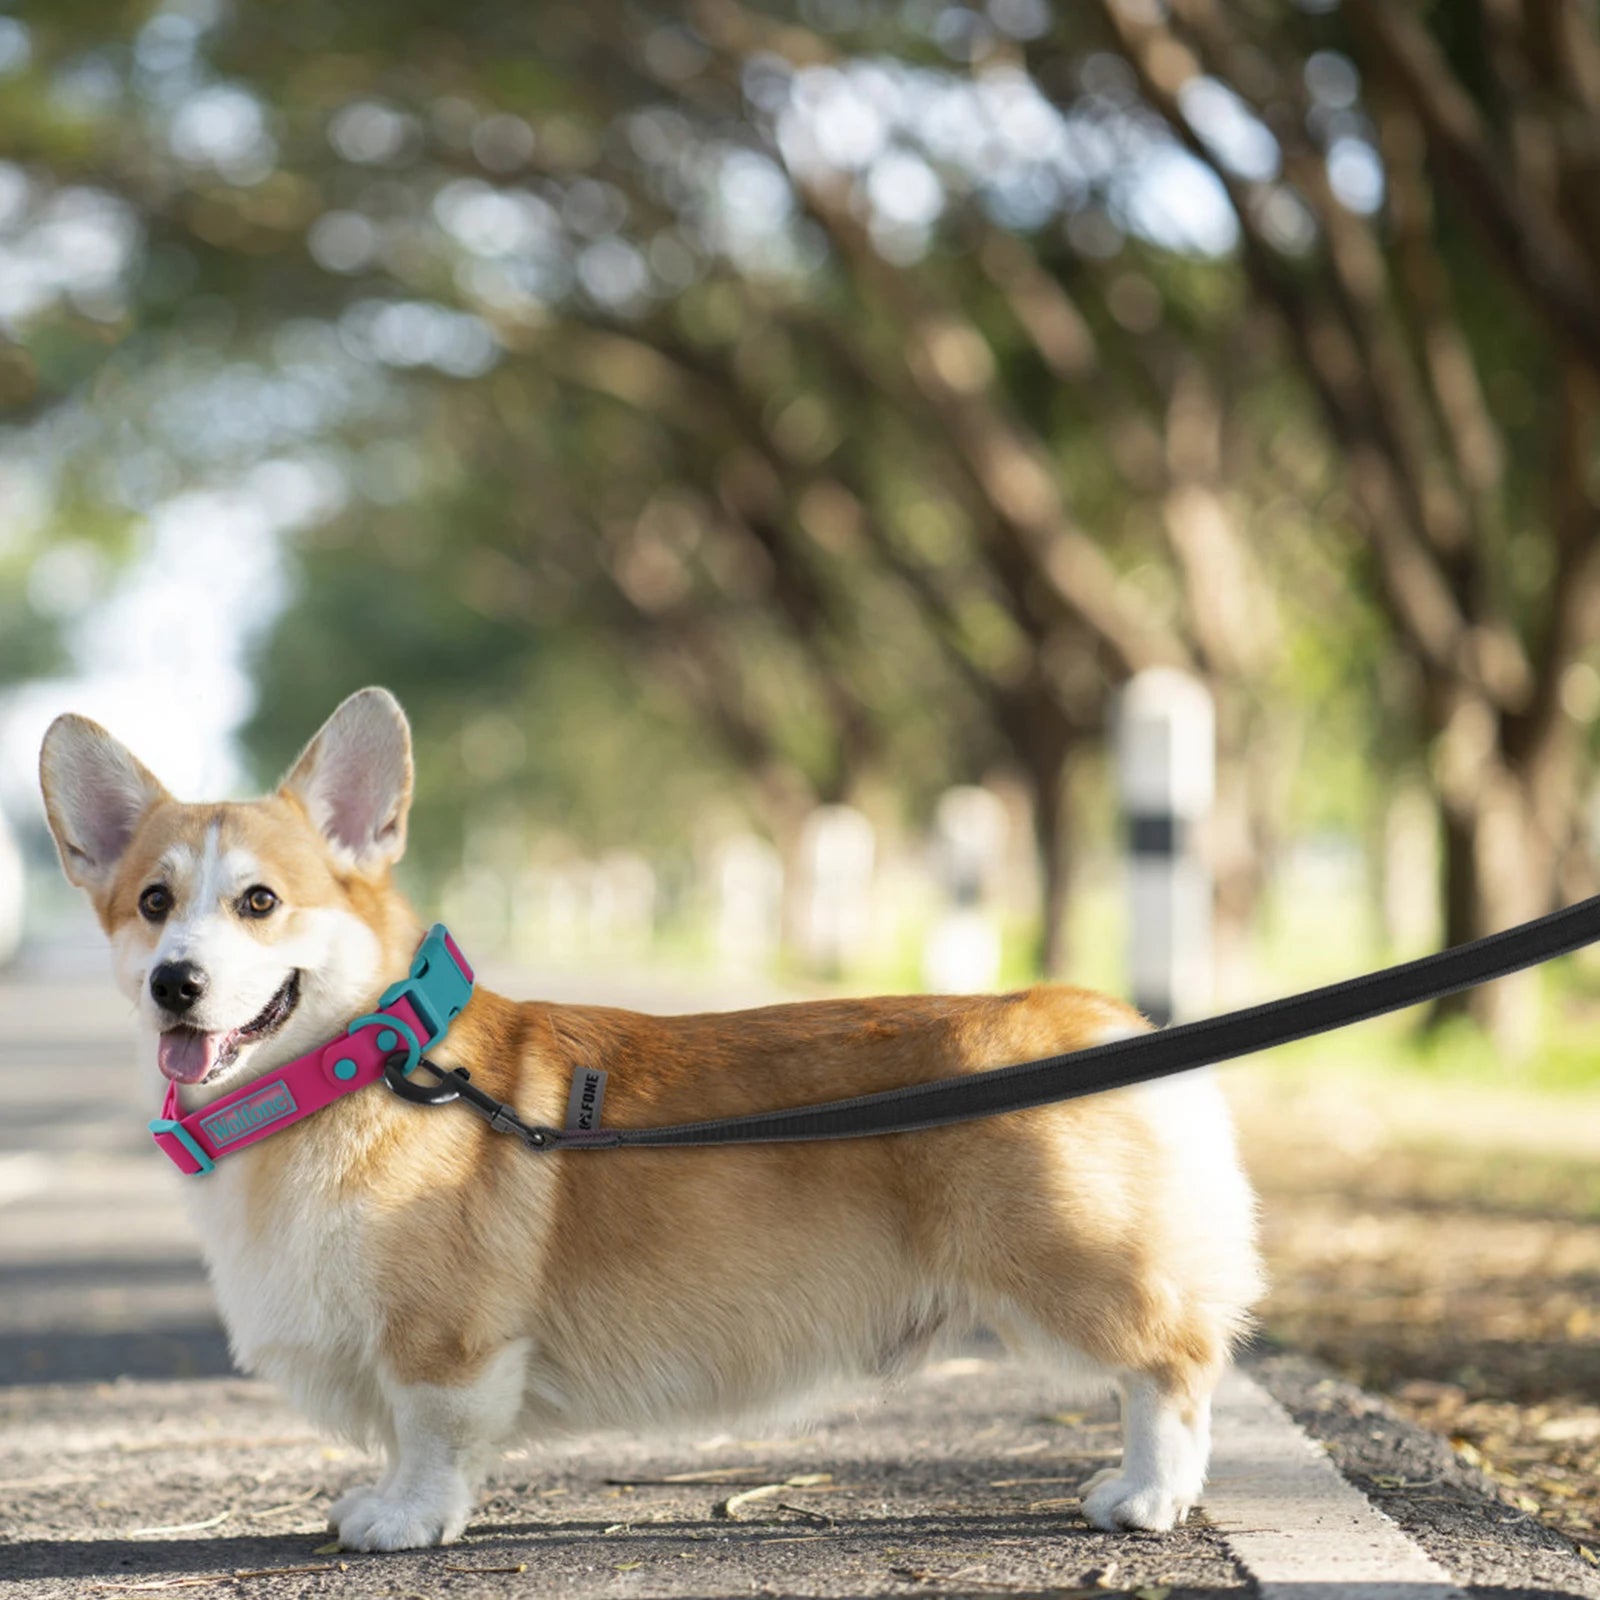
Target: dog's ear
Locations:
point(95, 793)
point(354, 780)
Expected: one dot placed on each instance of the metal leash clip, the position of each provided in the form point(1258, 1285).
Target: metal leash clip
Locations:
point(457, 1084)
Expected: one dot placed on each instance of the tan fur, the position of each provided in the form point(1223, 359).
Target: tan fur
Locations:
point(632, 1287)
point(1045, 1209)
point(1053, 1218)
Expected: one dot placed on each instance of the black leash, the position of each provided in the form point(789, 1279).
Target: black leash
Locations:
point(1077, 1072)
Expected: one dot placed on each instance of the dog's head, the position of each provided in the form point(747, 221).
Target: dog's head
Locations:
point(245, 933)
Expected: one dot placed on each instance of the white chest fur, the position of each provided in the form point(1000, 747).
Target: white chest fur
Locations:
point(292, 1292)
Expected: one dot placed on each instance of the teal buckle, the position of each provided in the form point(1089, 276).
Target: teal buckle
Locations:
point(187, 1140)
point(437, 988)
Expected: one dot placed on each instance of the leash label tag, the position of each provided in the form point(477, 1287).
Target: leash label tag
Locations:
point(245, 1116)
point(587, 1097)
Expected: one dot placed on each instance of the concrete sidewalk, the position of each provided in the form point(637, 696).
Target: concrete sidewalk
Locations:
point(966, 1478)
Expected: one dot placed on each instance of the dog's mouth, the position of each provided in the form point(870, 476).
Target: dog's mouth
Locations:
point(188, 1055)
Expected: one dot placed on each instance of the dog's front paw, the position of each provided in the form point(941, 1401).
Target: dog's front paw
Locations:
point(1114, 1502)
point(347, 1502)
point(370, 1520)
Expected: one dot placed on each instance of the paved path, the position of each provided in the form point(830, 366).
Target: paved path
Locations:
point(133, 1461)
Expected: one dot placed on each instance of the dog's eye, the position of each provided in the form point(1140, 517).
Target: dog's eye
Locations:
point(155, 902)
point(257, 902)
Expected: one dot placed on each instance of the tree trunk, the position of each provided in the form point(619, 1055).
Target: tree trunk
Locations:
point(1499, 869)
point(1238, 874)
point(1052, 834)
point(1257, 754)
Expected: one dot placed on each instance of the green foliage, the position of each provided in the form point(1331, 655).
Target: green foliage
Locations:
point(531, 723)
point(822, 402)
point(30, 645)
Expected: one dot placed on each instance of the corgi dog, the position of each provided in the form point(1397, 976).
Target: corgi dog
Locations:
point(414, 1280)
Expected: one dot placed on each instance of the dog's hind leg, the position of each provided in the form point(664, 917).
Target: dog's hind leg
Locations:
point(1113, 1263)
point(444, 1436)
point(1165, 1378)
point(1166, 1446)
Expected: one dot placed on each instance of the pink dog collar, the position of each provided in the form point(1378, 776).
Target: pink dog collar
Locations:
point(412, 1015)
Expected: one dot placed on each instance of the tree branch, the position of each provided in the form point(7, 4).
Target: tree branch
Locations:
point(1420, 600)
point(952, 367)
point(1528, 238)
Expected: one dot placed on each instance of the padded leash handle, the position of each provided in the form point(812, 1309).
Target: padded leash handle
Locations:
point(1128, 1061)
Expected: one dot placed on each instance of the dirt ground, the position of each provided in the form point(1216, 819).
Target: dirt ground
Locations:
point(1439, 1243)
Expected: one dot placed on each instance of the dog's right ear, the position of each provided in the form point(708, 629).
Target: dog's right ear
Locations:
point(95, 793)
point(354, 780)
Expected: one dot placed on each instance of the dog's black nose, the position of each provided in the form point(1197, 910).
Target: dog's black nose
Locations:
point(176, 985)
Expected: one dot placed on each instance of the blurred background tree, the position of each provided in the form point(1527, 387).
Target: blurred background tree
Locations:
point(793, 402)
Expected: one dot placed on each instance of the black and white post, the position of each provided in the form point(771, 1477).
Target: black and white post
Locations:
point(1166, 771)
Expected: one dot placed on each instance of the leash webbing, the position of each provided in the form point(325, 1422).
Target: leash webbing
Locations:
point(1127, 1061)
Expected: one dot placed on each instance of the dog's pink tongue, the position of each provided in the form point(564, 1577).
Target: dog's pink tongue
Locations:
point(186, 1055)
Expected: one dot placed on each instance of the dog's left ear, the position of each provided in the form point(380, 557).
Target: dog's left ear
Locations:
point(354, 780)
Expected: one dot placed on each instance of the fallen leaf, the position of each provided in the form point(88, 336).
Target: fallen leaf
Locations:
point(160, 1583)
point(817, 1519)
point(183, 1527)
point(1578, 1429)
point(277, 1572)
point(735, 1503)
point(730, 1507)
point(51, 1480)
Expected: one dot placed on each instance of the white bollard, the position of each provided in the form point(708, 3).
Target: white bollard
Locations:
point(622, 902)
point(962, 955)
point(837, 849)
point(1166, 773)
point(13, 894)
point(748, 875)
point(566, 899)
